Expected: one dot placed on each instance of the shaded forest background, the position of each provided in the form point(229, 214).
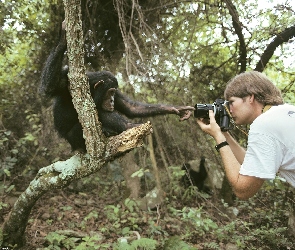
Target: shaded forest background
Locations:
point(174, 52)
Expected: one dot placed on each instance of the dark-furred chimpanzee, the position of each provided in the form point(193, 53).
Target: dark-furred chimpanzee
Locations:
point(194, 178)
point(109, 101)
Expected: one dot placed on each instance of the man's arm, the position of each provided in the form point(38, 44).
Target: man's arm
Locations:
point(237, 150)
point(243, 186)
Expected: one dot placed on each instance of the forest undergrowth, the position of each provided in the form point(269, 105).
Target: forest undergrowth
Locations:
point(94, 213)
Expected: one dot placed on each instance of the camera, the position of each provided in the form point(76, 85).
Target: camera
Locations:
point(220, 109)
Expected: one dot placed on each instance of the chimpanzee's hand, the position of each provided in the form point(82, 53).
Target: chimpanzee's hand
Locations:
point(184, 112)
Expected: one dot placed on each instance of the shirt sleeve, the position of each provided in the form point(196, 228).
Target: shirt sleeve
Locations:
point(263, 157)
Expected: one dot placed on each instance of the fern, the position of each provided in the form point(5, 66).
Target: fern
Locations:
point(175, 243)
point(211, 245)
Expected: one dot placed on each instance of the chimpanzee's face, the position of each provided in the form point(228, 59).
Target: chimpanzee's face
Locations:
point(109, 100)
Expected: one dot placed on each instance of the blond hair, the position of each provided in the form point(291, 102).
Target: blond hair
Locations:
point(254, 83)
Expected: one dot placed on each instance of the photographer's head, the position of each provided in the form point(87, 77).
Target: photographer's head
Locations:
point(254, 83)
point(248, 93)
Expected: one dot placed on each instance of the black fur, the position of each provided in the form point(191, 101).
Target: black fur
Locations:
point(195, 178)
point(54, 84)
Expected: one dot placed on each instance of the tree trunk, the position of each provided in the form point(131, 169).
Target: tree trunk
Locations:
point(100, 150)
point(154, 163)
point(162, 153)
point(132, 183)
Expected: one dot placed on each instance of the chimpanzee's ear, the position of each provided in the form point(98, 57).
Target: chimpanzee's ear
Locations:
point(98, 83)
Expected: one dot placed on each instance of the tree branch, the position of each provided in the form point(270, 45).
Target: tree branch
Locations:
point(61, 174)
point(238, 28)
point(281, 38)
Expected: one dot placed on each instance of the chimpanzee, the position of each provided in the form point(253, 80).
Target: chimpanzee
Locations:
point(109, 101)
point(195, 178)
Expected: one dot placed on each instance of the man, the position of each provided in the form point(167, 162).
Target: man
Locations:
point(254, 99)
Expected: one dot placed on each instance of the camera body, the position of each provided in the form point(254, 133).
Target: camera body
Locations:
point(219, 108)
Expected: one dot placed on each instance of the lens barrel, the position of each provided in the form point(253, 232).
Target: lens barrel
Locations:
point(202, 110)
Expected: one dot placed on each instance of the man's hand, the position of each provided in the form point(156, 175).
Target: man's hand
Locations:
point(210, 126)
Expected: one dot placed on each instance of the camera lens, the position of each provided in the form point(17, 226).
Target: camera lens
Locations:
point(202, 110)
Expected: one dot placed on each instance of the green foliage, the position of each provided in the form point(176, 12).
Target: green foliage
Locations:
point(264, 227)
point(112, 212)
point(23, 24)
point(175, 243)
point(284, 81)
point(3, 205)
point(261, 224)
point(59, 241)
point(16, 149)
point(90, 243)
point(92, 214)
point(140, 173)
point(55, 240)
point(195, 218)
point(142, 243)
point(177, 173)
point(7, 161)
point(22, 27)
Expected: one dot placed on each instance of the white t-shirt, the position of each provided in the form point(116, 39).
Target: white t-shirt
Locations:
point(271, 145)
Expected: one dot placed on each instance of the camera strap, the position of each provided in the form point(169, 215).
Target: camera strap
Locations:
point(266, 107)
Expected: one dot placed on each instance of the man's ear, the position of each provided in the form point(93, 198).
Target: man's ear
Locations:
point(251, 99)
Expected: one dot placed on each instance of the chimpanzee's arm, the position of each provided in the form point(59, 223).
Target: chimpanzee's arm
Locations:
point(54, 79)
point(134, 109)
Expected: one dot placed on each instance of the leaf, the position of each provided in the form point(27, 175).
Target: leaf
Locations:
point(7, 172)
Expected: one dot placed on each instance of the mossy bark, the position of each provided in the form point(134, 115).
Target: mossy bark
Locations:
point(100, 149)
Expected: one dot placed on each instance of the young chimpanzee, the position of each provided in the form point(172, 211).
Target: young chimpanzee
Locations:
point(195, 178)
point(109, 101)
